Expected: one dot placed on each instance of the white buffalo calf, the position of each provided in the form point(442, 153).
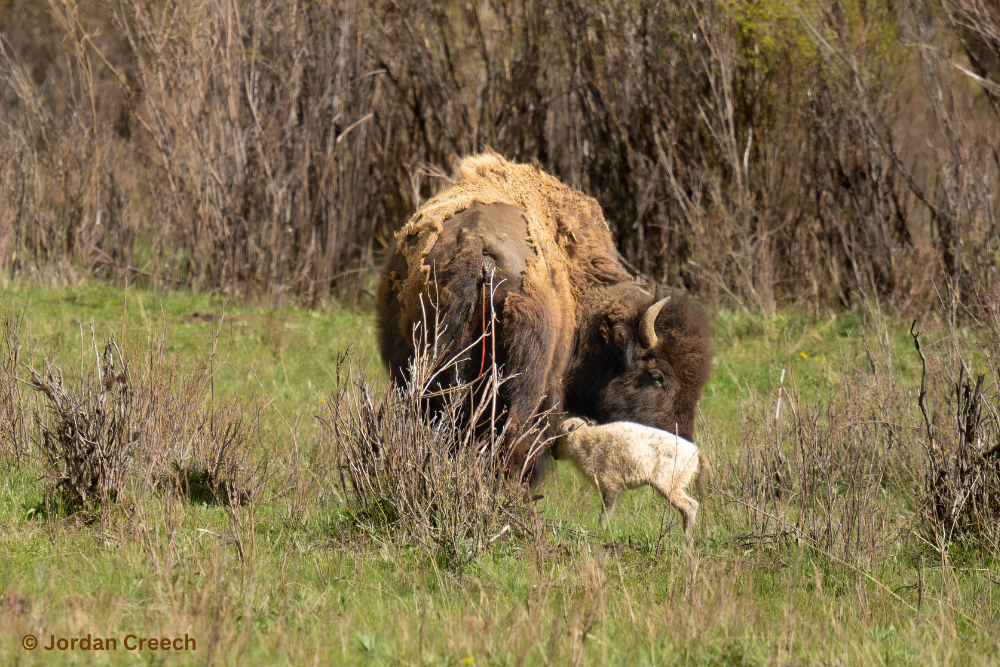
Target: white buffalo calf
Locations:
point(622, 455)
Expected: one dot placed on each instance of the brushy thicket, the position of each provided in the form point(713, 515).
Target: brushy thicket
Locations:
point(765, 149)
point(832, 471)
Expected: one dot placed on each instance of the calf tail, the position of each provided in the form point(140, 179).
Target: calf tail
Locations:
point(705, 473)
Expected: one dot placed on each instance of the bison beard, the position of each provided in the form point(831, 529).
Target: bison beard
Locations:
point(572, 328)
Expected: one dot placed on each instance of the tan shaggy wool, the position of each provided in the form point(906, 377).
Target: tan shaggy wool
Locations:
point(566, 229)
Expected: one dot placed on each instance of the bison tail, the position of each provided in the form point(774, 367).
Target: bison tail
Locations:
point(465, 289)
point(705, 473)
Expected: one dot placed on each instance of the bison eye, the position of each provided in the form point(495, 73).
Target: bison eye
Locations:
point(656, 377)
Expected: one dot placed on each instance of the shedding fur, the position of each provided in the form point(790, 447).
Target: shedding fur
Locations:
point(622, 456)
point(566, 229)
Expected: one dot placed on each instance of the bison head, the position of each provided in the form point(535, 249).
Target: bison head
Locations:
point(646, 363)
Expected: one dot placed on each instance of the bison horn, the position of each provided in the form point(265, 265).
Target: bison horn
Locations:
point(647, 327)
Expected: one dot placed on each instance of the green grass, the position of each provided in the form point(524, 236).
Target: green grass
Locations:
point(314, 589)
point(289, 355)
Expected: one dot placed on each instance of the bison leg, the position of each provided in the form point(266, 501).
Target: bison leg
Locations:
point(529, 344)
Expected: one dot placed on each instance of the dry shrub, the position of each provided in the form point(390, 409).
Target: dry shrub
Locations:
point(91, 436)
point(232, 461)
point(961, 482)
point(429, 473)
point(223, 464)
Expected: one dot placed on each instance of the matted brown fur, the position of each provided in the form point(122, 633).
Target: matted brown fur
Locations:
point(566, 228)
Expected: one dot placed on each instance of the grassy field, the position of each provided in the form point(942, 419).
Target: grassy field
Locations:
point(812, 546)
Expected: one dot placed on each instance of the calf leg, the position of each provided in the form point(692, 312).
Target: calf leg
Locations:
point(685, 504)
point(689, 509)
point(609, 498)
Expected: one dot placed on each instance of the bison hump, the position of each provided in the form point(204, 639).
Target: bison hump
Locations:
point(566, 230)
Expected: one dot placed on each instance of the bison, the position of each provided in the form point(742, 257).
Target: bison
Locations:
point(574, 329)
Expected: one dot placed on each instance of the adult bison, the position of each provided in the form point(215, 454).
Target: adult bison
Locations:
point(571, 324)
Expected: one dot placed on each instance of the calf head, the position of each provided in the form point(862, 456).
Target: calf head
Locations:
point(565, 428)
point(570, 425)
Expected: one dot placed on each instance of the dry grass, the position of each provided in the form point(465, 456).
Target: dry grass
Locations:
point(224, 147)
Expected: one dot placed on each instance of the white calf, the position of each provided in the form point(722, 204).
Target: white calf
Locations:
point(622, 455)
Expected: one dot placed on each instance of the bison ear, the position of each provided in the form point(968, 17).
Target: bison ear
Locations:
point(620, 336)
point(625, 344)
